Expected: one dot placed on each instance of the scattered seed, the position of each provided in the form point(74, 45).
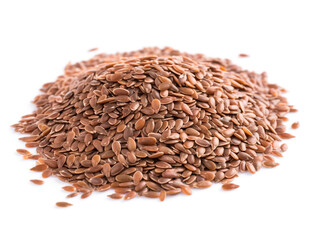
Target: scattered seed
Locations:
point(230, 186)
point(39, 168)
point(23, 152)
point(37, 182)
point(63, 204)
point(69, 188)
point(295, 125)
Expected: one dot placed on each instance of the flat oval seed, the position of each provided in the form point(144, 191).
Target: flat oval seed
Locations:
point(229, 186)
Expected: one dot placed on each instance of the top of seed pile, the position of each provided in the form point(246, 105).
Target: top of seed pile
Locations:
point(155, 122)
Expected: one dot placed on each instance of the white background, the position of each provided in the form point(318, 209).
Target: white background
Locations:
point(38, 38)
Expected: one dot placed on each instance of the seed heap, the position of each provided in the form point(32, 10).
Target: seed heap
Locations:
point(154, 122)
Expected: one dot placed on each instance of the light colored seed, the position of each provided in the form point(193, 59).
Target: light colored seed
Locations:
point(284, 147)
point(247, 131)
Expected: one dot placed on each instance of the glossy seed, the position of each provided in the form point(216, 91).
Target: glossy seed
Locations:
point(229, 186)
point(63, 204)
point(39, 168)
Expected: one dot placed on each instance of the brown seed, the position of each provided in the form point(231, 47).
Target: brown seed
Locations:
point(229, 186)
point(36, 181)
point(104, 188)
point(151, 194)
point(203, 184)
point(286, 136)
point(162, 195)
point(106, 169)
point(70, 160)
point(23, 152)
point(140, 124)
point(95, 160)
point(156, 105)
point(295, 125)
point(269, 164)
point(71, 195)
point(39, 168)
point(250, 167)
point(186, 109)
point(130, 195)
point(202, 142)
point(69, 188)
point(131, 157)
point(121, 91)
point(186, 190)
point(147, 141)
point(243, 55)
point(86, 194)
point(116, 147)
point(96, 181)
point(47, 173)
point(137, 177)
point(164, 86)
point(63, 204)
point(116, 196)
point(131, 144)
